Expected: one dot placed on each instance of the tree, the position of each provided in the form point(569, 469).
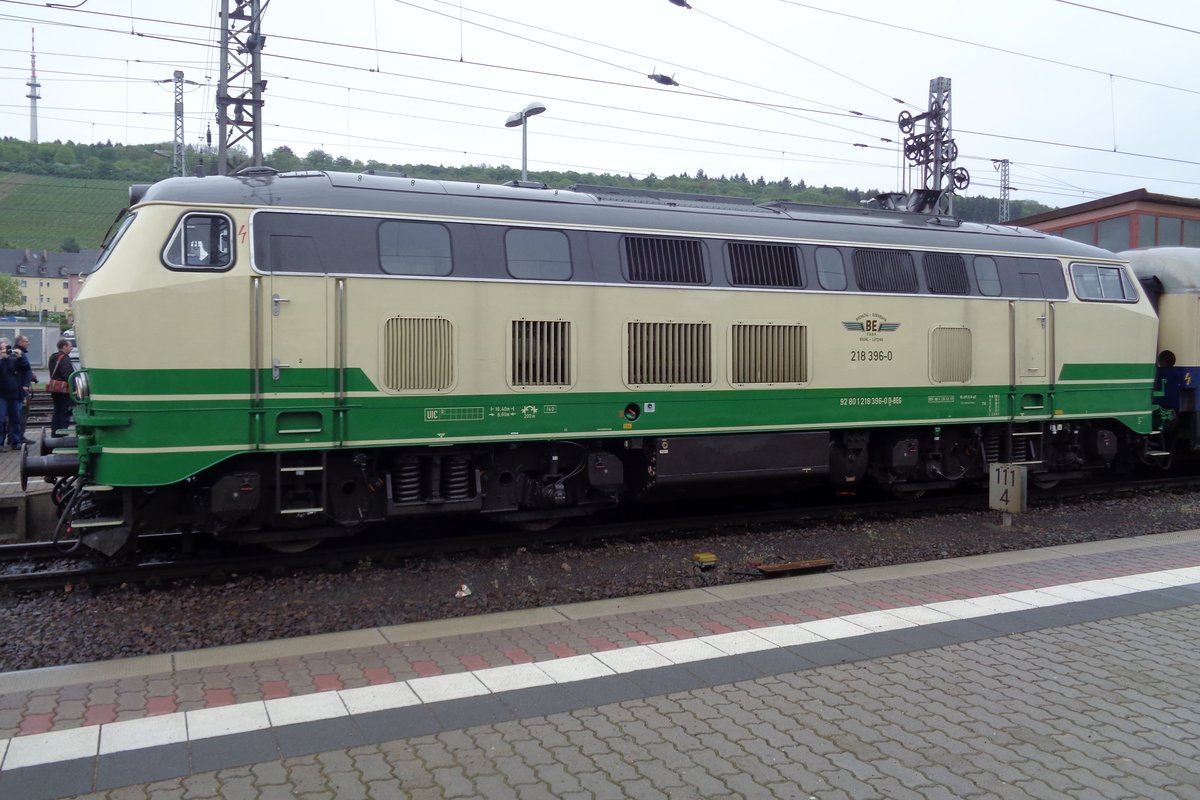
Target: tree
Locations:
point(283, 159)
point(10, 292)
point(69, 245)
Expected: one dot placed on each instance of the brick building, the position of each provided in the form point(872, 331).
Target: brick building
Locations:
point(1126, 221)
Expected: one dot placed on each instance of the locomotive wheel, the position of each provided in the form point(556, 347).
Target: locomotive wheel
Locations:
point(294, 546)
point(1044, 481)
point(537, 525)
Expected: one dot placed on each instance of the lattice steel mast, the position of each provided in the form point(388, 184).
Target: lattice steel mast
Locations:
point(1003, 165)
point(241, 64)
point(934, 150)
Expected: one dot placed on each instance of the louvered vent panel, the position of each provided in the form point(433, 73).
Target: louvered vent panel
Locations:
point(669, 352)
point(541, 353)
point(946, 273)
point(770, 354)
point(885, 271)
point(950, 355)
point(418, 353)
point(764, 265)
point(664, 260)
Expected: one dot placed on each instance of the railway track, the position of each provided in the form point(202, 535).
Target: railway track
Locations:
point(42, 566)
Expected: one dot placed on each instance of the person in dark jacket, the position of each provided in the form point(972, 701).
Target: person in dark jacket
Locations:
point(22, 341)
point(14, 369)
point(61, 369)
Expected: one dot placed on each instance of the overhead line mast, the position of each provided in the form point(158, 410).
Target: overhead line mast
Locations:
point(241, 47)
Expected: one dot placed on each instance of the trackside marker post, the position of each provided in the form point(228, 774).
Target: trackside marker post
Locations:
point(1008, 489)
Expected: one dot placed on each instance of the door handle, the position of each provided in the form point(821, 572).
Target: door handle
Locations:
point(276, 365)
point(275, 301)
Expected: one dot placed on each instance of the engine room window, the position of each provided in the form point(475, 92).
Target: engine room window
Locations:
point(1098, 282)
point(665, 260)
point(987, 275)
point(200, 241)
point(885, 271)
point(831, 269)
point(764, 265)
point(414, 248)
point(538, 255)
point(946, 273)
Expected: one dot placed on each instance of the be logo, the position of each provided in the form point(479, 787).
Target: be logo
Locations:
point(871, 325)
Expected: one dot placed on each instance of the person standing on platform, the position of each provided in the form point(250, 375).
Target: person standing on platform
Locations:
point(13, 368)
point(26, 394)
point(60, 369)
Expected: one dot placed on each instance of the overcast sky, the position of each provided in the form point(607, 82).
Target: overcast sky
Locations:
point(1082, 102)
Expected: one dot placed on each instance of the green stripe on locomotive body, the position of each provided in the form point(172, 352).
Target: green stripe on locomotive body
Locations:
point(152, 427)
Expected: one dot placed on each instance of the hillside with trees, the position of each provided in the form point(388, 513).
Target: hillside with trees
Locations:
point(59, 195)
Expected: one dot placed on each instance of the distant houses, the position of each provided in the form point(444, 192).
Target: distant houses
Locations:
point(48, 280)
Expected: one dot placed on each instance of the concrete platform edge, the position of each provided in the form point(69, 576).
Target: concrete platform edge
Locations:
point(28, 680)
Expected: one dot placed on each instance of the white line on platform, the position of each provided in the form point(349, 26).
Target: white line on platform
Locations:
point(56, 746)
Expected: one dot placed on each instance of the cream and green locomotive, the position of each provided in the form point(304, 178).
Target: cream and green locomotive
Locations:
point(274, 358)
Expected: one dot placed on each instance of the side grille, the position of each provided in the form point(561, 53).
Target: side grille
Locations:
point(885, 271)
point(769, 354)
point(764, 265)
point(541, 353)
point(418, 353)
point(950, 355)
point(946, 273)
point(665, 260)
point(669, 353)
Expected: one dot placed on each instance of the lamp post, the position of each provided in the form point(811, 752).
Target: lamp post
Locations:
point(520, 118)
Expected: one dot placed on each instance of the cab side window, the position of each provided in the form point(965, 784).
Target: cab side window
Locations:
point(200, 241)
point(1103, 283)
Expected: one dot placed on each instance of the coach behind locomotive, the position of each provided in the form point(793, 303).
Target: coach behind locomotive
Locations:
point(364, 348)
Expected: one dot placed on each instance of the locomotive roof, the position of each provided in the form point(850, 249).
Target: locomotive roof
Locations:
point(1176, 268)
point(592, 206)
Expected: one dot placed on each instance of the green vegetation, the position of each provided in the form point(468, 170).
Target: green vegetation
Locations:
point(55, 195)
point(10, 293)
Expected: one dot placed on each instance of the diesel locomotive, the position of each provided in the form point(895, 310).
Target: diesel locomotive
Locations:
point(349, 350)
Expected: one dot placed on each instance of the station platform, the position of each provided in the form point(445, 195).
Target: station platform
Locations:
point(1066, 671)
point(29, 511)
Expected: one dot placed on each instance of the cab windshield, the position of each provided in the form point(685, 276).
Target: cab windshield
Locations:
point(114, 234)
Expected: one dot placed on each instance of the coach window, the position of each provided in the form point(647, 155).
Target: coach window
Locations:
point(414, 248)
point(831, 269)
point(538, 255)
point(1104, 283)
point(987, 275)
point(200, 241)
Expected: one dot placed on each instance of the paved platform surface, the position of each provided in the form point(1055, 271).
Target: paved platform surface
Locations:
point(1062, 672)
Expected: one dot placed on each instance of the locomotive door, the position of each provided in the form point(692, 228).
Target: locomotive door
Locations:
point(1031, 322)
point(297, 310)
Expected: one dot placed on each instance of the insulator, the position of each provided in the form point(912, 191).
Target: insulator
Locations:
point(456, 478)
point(406, 480)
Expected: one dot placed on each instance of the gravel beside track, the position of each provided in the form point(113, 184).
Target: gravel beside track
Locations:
point(74, 626)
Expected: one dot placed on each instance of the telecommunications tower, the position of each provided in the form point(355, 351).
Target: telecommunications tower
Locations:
point(33, 85)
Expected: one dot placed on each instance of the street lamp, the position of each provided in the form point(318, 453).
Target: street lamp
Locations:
point(519, 118)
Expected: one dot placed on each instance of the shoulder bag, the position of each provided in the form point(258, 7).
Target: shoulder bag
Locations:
point(54, 385)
